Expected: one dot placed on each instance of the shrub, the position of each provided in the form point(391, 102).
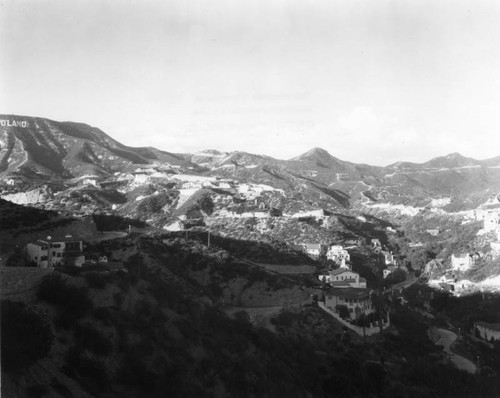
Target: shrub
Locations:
point(93, 340)
point(96, 280)
point(26, 338)
point(73, 302)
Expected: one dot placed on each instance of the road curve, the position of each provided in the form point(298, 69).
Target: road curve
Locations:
point(446, 338)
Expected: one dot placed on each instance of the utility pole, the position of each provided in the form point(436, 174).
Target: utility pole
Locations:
point(208, 238)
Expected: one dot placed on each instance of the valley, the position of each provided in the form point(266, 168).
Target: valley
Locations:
point(213, 274)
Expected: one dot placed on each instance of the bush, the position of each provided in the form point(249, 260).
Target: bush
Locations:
point(26, 338)
point(96, 280)
point(93, 340)
point(73, 302)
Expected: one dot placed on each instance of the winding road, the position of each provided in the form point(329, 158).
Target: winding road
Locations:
point(446, 339)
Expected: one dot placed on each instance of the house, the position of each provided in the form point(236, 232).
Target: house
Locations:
point(488, 331)
point(338, 254)
point(389, 258)
point(352, 242)
point(461, 262)
point(389, 270)
point(52, 251)
point(415, 244)
point(433, 265)
point(433, 232)
point(347, 276)
point(313, 250)
point(491, 221)
point(357, 301)
point(447, 278)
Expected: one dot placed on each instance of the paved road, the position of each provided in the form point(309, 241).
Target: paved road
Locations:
point(446, 338)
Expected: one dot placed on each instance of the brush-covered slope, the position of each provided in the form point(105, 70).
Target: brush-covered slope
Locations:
point(37, 146)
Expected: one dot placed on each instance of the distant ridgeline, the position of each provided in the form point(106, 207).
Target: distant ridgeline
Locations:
point(14, 123)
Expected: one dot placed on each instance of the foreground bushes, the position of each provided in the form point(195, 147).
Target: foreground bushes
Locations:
point(73, 302)
point(26, 337)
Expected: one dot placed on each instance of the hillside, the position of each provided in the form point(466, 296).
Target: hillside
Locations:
point(43, 147)
point(160, 327)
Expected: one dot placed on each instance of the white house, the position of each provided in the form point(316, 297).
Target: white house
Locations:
point(488, 331)
point(491, 221)
point(53, 251)
point(338, 254)
point(313, 250)
point(461, 262)
point(357, 301)
point(347, 276)
point(389, 258)
point(433, 232)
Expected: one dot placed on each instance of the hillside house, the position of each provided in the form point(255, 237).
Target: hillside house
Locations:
point(491, 221)
point(389, 270)
point(357, 301)
point(347, 276)
point(313, 250)
point(338, 254)
point(415, 244)
point(433, 232)
point(352, 242)
point(461, 262)
point(488, 331)
point(389, 258)
point(433, 265)
point(67, 250)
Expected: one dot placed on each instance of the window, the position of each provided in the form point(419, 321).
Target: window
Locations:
point(58, 254)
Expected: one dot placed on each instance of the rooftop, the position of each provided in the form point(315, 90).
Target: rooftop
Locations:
point(350, 293)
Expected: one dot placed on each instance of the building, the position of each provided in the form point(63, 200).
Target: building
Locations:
point(347, 276)
point(313, 250)
point(433, 265)
point(433, 232)
point(52, 251)
point(357, 301)
point(389, 270)
point(491, 221)
point(461, 262)
point(488, 331)
point(338, 254)
point(389, 258)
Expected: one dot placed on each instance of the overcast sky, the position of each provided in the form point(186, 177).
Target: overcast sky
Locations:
point(369, 81)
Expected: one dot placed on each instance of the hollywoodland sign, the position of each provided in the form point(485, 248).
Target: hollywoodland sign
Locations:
point(13, 123)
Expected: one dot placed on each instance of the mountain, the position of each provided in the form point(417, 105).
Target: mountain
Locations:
point(33, 146)
point(44, 150)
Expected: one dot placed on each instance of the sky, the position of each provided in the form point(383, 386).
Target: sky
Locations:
point(369, 81)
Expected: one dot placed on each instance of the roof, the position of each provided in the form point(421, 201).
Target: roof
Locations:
point(339, 271)
point(67, 238)
point(340, 284)
point(313, 246)
point(350, 293)
point(491, 326)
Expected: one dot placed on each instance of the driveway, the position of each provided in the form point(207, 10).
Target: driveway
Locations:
point(446, 339)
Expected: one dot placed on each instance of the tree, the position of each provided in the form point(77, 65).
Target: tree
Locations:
point(26, 338)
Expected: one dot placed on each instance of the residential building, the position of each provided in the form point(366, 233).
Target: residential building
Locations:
point(491, 221)
point(347, 276)
point(461, 262)
point(338, 254)
point(313, 250)
point(56, 250)
point(357, 301)
point(433, 232)
point(389, 258)
point(488, 331)
point(432, 266)
point(389, 270)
